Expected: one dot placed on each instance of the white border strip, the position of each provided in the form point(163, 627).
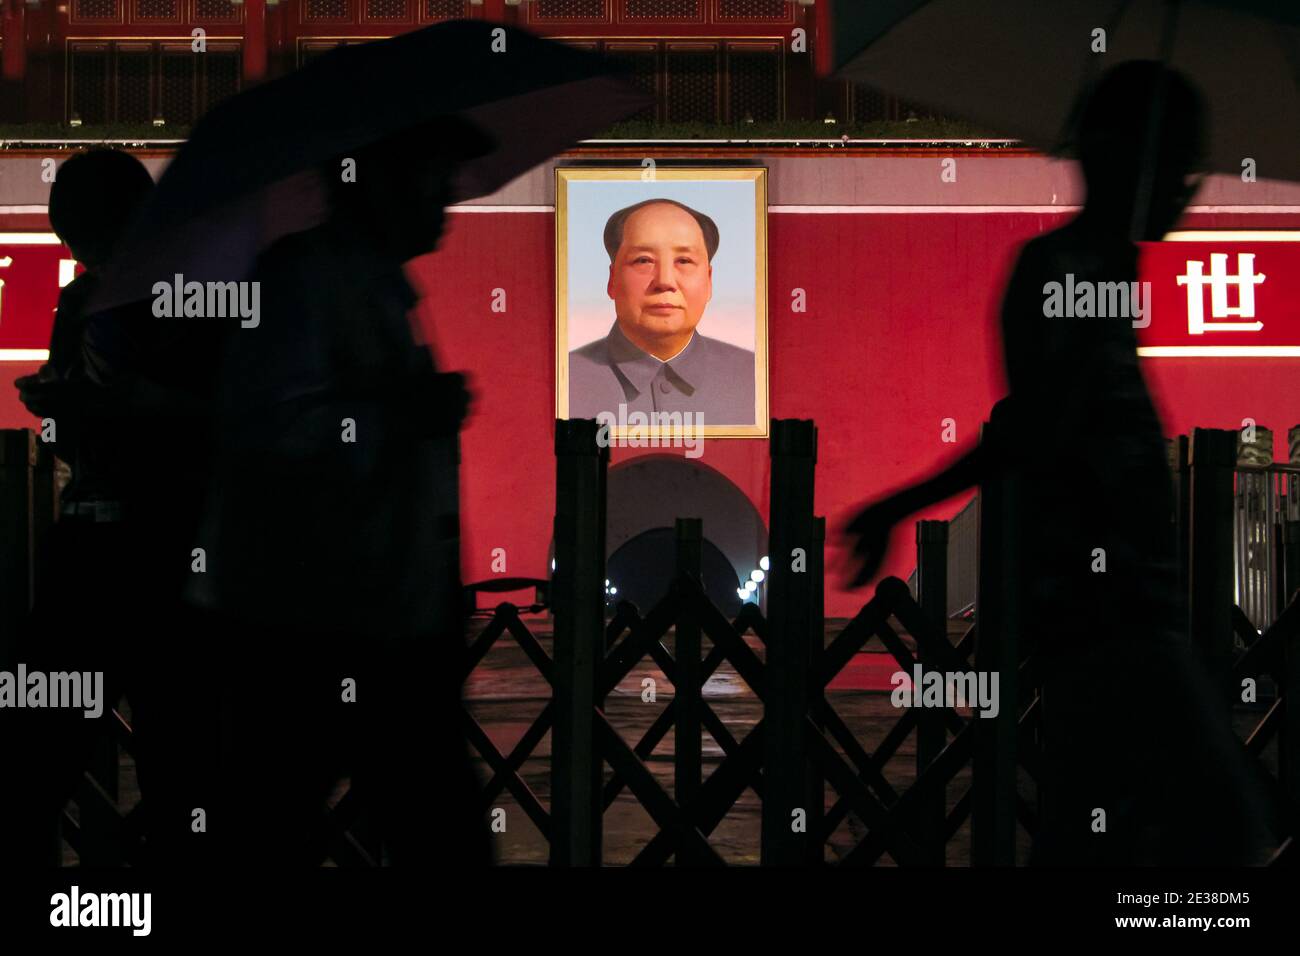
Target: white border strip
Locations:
point(29, 239)
point(843, 210)
point(1199, 210)
point(914, 210)
point(828, 210)
point(1239, 235)
point(1220, 351)
point(841, 141)
point(483, 207)
point(1248, 209)
point(24, 355)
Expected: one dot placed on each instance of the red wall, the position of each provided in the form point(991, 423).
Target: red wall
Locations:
point(899, 335)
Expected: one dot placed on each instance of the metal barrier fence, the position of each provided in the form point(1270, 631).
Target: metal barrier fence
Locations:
point(802, 745)
point(1266, 545)
point(963, 560)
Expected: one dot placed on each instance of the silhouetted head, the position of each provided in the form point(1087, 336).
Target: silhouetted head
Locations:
point(1111, 139)
point(93, 198)
point(403, 184)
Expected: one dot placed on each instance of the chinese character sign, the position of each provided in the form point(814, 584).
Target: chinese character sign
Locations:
point(34, 266)
point(1222, 294)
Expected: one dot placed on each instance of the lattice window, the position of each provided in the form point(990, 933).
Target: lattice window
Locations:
point(157, 9)
point(221, 79)
point(215, 10)
point(691, 77)
point(134, 80)
point(385, 9)
point(664, 9)
point(311, 51)
point(176, 82)
point(754, 10)
point(95, 10)
point(754, 85)
point(88, 80)
point(642, 74)
point(327, 9)
point(567, 9)
point(444, 9)
point(873, 106)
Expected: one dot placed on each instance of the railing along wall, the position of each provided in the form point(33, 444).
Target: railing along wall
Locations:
point(1265, 540)
point(1266, 526)
point(1235, 650)
point(962, 539)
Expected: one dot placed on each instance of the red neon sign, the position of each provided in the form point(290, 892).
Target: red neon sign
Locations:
point(34, 266)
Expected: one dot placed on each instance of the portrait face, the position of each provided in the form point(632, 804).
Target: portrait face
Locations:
point(661, 278)
point(680, 260)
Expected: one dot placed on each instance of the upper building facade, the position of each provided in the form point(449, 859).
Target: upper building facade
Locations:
point(102, 62)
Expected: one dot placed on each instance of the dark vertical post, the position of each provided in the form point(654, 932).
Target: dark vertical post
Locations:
point(1289, 745)
point(932, 595)
point(686, 747)
point(1290, 524)
point(1211, 577)
point(16, 555)
point(1183, 515)
point(789, 602)
point(44, 504)
point(254, 41)
point(1289, 559)
point(13, 60)
point(997, 615)
point(579, 602)
point(816, 785)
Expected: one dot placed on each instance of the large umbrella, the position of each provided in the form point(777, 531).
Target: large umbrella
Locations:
point(246, 175)
point(1018, 66)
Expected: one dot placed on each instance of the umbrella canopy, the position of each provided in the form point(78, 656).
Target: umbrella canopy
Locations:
point(247, 174)
point(1018, 66)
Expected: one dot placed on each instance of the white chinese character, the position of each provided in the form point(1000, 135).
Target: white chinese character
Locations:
point(1218, 280)
point(5, 263)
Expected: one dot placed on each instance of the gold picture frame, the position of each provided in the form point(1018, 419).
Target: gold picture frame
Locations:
point(649, 183)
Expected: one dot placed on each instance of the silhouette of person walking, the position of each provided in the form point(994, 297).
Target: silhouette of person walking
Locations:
point(331, 530)
point(1133, 727)
point(79, 618)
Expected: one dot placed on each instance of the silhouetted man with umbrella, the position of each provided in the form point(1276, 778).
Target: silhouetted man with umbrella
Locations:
point(331, 531)
point(325, 579)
